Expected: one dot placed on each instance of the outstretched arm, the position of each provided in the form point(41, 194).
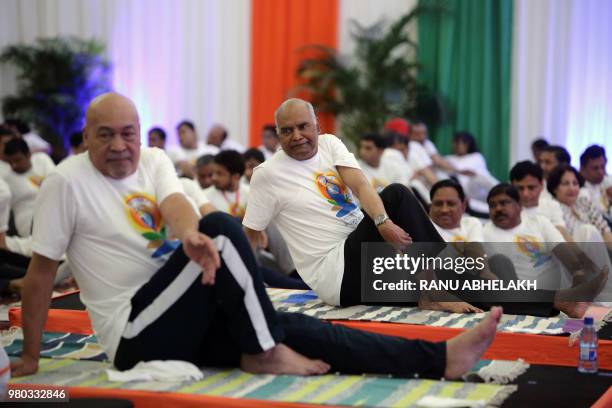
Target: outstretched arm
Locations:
point(36, 296)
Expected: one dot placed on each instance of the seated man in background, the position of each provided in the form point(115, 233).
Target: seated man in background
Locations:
point(77, 144)
point(537, 146)
point(252, 158)
point(227, 193)
point(598, 184)
point(6, 134)
point(527, 177)
point(550, 157)
point(28, 172)
point(270, 143)
point(447, 211)
point(532, 244)
point(184, 156)
point(371, 148)
point(36, 143)
point(419, 134)
point(218, 137)
point(204, 170)
point(157, 138)
point(122, 272)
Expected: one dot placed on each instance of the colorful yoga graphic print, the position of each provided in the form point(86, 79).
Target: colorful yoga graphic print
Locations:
point(145, 217)
point(335, 192)
point(529, 246)
point(35, 180)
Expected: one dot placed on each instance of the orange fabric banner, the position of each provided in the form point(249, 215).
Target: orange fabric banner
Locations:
point(279, 28)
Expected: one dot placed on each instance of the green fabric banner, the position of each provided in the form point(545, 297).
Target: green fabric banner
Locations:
point(466, 52)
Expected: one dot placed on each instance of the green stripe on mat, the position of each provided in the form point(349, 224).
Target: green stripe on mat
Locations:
point(328, 389)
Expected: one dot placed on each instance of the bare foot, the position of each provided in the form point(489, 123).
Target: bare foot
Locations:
point(15, 286)
point(573, 309)
point(464, 350)
point(282, 360)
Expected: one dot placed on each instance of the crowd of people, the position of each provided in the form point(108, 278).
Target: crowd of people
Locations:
point(206, 225)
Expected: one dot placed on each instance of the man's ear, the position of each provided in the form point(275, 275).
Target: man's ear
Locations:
point(318, 127)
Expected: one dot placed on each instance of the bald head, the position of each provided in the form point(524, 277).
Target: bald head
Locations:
point(297, 128)
point(112, 133)
point(110, 105)
point(291, 105)
point(217, 135)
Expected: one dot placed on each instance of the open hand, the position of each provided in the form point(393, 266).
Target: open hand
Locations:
point(393, 234)
point(202, 250)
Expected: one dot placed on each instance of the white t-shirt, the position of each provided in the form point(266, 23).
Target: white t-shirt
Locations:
point(598, 193)
point(5, 205)
point(534, 239)
point(430, 147)
point(375, 175)
point(111, 231)
point(179, 153)
point(24, 189)
point(418, 157)
point(313, 210)
point(194, 193)
point(548, 208)
point(470, 230)
point(396, 167)
point(231, 202)
point(5, 169)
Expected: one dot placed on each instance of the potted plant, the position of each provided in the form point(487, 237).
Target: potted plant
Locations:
point(376, 83)
point(57, 77)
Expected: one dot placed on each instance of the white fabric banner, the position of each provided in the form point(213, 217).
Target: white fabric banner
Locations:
point(562, 81)
point(187, 59)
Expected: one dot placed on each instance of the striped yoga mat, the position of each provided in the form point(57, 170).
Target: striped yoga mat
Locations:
point(306, 302)
point(327, 389)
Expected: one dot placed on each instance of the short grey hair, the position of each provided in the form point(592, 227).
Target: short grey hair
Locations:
point(291, 102)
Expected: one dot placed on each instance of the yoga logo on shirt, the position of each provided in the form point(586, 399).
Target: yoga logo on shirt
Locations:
point(459, 238)
point(35, 180)
point(335, 192)
point(145, 217)
point(529, 246)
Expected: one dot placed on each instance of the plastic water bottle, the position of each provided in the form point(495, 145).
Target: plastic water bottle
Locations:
point(5, 373)
point(587, 360)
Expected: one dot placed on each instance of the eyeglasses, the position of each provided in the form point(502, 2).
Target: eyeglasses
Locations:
point(301, 127)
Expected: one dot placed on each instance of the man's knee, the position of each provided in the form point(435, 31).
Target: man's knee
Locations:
point(396, 193)
point(218, 222)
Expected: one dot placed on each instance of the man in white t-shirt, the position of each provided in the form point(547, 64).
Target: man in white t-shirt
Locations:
point(269, 139)
point(371, 149)
point(227, 193)
point(28, 172)
point(185, 155)
point(533, 245)
point(198, 299)
point(6, 134)
point(598, 184)
point(527, 177)
point(413, 152)
point(447, 211)
point(307, 189)
point(218, 137)
point(420, 134)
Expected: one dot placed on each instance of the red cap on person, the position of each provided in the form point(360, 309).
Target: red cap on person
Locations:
point(399, 126)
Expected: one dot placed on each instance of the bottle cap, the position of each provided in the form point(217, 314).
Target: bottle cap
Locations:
point(588, 320)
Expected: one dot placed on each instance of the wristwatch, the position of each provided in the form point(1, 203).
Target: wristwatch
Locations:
point(380, 219)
